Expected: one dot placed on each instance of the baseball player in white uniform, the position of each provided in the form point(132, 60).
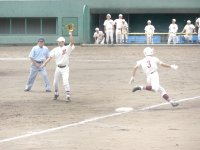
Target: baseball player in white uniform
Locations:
point(109, 28)
point(124, 31)
point(118, 32)
point(61, 55)
point(173, 28)
point(150, 66)
point(98, 36)
point(149, 31)
point(189, 29)
point(198, 25)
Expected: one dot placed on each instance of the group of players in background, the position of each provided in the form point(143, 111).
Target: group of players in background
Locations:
point(120, 28)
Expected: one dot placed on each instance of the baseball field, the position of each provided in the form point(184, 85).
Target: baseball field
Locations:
point(99, 77)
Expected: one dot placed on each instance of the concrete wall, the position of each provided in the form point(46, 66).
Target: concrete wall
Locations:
point(74, 8)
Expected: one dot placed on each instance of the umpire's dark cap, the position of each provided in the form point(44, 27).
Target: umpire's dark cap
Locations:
point(41, 40)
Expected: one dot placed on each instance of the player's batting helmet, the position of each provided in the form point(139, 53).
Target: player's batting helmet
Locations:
point(148, 51)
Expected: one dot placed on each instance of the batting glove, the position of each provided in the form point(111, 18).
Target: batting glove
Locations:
point(132, 80)
point(174, 67)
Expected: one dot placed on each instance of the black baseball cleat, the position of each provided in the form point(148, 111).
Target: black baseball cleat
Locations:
point(137, 89)
point(68, 99)
point(48, 90)
point(174, 104)
point(26, 90)
point(55, 97)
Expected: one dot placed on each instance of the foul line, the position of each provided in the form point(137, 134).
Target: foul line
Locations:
point(92, 120)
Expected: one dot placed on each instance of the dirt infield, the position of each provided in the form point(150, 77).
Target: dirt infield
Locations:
point(99, 81)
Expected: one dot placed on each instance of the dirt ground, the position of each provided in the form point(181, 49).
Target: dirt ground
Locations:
point(99, 81)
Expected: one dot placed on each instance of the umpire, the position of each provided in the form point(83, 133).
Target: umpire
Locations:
point(38, 55)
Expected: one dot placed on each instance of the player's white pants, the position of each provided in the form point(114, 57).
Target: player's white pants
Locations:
point(153, 80)
point(118, 36)
point(99, 41)
point(64, 72)
point(172, 37)
point(109, 34)
point(199, 34)
point(149, 39)
point(188, 38)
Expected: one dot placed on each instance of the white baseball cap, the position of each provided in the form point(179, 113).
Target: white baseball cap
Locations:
point(96, 29)
point(148, 51)
point(188, 21)
point(120, 15)
point(61, 39)
point(149, 21)
point(108, 15)
point(174, 20)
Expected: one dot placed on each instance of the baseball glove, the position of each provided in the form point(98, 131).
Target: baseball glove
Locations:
point(70, 27)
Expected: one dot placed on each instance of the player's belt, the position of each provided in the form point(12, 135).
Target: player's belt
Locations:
point(119, 28)
point(152, 72)
point(39, 62)
point(60, 66)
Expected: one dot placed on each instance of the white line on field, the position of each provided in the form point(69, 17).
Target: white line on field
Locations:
point(91, 120)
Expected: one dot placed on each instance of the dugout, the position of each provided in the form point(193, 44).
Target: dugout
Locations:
point(137, 22)
point(23, 21)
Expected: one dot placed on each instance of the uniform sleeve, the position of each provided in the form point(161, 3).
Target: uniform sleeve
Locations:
point(31, 55)
point(52, 53)
point(158, 61)
point(153, 27)
point(69, 49)
point(170, 26)
point(94, 36)
point(145, 28)
point(193, 27)
point(104, 23)
point(176, 28)
point(47, 52)
point(113, 22)
point(138, 63)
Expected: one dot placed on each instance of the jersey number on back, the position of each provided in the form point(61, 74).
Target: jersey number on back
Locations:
point(148, 64)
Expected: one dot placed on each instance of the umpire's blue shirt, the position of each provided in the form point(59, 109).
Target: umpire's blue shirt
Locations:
point(39, 54)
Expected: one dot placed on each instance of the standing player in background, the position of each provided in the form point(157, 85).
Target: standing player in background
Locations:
point(198, 25)
point(149, 31)
point(109, 28)
point(38, 55)
point(150, 66)
point(189, 29)
point(124, 31)
point(118, 32)
point(98, 36)
point(173, 28)
point(61, 55)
